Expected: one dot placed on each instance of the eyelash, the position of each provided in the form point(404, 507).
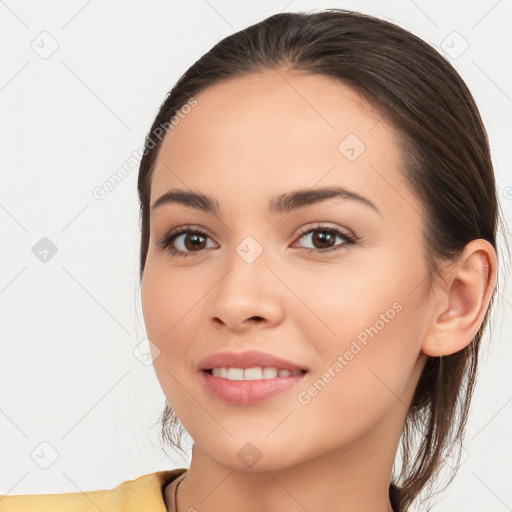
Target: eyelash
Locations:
point(170, 237)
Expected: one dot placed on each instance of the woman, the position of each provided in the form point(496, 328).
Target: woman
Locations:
point(318, 264)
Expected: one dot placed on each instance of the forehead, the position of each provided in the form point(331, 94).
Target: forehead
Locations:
point(268, 132)
point(271, 109)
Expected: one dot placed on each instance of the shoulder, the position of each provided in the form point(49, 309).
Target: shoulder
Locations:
point(142, 493)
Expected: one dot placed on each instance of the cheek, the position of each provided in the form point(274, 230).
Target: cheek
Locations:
point(166, 297)
point(368, 288)
point(337, 302)
point(159, 319)
point(364, 326)
point(153, 297)
point(169, 304)
point(360, 382)
point(173, 303)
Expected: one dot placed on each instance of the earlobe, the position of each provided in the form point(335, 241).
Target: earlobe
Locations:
point(464, 301)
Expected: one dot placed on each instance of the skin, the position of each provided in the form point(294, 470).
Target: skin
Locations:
point(248, 140)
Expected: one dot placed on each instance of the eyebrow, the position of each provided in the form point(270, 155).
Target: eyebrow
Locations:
point(280, 204)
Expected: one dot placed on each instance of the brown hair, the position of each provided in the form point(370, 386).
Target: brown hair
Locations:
point(447, 164)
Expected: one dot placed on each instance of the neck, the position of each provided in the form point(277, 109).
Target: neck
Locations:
point(342, 480)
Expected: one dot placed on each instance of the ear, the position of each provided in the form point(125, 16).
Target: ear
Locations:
point(462, 300)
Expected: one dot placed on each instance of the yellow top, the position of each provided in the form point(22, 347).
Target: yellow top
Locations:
point(144, 494)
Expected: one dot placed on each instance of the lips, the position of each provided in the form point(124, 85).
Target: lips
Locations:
point(248, 392)
point(247, 359)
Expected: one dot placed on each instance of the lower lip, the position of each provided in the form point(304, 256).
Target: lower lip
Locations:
point(247, 392)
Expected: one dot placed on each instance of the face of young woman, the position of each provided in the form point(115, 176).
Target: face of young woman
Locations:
point(348, 304)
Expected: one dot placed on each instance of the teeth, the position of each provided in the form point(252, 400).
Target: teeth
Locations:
point(256, 373)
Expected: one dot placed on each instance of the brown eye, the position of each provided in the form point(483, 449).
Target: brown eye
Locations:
point(192, 241)
point(324, 239)
point(182, 242)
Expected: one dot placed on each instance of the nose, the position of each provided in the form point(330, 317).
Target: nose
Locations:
point(247, 295)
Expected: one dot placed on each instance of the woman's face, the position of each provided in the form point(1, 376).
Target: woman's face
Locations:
point(262, 279)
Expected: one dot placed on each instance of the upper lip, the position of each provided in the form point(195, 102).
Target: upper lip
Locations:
point(247, 359)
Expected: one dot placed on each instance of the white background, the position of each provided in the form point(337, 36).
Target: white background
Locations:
point(69, 376)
